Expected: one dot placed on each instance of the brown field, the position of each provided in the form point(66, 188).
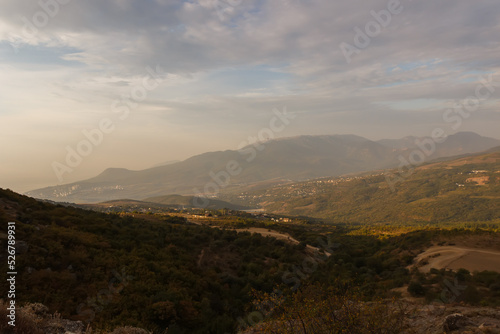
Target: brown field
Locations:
point(456, 257)
point(481, 180)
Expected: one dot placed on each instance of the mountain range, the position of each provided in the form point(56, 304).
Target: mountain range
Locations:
point(287, 159)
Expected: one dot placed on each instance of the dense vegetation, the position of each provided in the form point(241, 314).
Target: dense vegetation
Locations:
point(163, 272)
point(193, 279)
point(479, 288)
point(192, 201)
point(315, 309)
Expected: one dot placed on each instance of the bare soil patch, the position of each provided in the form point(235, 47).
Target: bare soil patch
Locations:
point(455, 257)
point(481, 180)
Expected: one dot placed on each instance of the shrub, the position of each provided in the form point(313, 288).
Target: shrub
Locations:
point(319, 310)
point(416, 289)
point(26, 323)
point(129, 330)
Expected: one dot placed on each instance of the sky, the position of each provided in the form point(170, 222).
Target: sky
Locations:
point(133, 83)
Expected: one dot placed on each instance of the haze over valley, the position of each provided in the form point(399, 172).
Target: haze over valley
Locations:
point(285, 159)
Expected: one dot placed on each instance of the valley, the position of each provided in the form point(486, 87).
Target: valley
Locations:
point(209, 261)
point(250, 167)
point(204, 264)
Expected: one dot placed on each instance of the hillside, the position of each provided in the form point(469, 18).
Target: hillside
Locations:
point(194, 202)
point(161, 203)
point(297, 158)
point(163, 272)
point(462, 190)
point(111, 271)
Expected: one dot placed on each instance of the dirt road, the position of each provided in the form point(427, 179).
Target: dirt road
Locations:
point(267, 232)
point(282, 236)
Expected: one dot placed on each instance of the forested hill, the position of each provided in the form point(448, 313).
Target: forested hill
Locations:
point(113, 271)
point(462, 190)
point(123, 271)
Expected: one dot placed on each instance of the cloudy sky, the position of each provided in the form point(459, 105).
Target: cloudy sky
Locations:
point(170, 79)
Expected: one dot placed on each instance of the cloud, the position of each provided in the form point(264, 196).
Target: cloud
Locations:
point(227, 64)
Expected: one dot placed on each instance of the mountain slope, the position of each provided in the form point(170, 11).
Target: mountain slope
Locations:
point(296, 158)
point(115, 271)
point(466, 189)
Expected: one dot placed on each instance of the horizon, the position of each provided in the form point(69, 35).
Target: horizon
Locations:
point(153, 81)
point(216, 151)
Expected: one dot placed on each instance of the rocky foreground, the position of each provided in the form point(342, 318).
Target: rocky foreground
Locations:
point(439, 319)
point(428, 319)
point(36, 319)
point(456, 319)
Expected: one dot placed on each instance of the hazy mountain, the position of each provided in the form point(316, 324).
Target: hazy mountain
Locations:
point(399, 144)
point(165, 163)
point(464, 143)
point(296, 158)
point(459, 143)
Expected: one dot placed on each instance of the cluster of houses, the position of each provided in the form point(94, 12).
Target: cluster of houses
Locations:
point(478, 180)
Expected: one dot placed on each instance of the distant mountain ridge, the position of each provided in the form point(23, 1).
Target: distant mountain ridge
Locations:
point(460, 143)
point(296, 158)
